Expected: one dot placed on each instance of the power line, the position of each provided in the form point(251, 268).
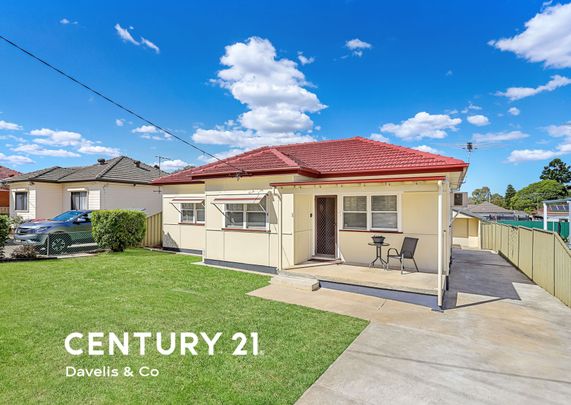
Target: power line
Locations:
point(128, 110)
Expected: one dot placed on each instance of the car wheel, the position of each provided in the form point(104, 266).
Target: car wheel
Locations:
point(58, 244)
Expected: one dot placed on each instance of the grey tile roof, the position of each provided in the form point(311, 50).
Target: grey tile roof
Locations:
point(487, 207)
point(121, 169)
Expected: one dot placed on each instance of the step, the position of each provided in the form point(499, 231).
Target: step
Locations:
point(300, 283)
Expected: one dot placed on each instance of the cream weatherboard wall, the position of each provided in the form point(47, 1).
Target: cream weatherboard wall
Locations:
point(290, 214)
point(418, 215)
point(177, 235)
point(253, 247)
point(46, 200)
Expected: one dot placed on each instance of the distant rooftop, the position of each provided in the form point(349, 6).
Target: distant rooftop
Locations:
point(121, 169)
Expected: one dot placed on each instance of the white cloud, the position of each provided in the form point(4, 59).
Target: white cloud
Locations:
point(523, 155)
point(125, 35)
point(151, 132)
point(546, 38)
point(499, 136)
point(56, 138)
point(304, 60)
point(478, 120)
point(514, 111)
point(9, 126)
point(34, 149)
point(379, 138)
point(172, 165)
point(15, 159)
point(91, 149)
point(423, 125)
point(272, 90)
point(426, 148)
point(470, 107)
point(75, 140)
point(65, 21)
point(149, 44)
point(559, 130)
point(356, 46)
point(246, 139)
point(119, 122)
point(517, 93)
point(145, 129)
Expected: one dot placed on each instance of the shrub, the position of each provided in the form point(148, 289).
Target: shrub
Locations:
point(4, 231)
point(24, 252)
point(118, 229)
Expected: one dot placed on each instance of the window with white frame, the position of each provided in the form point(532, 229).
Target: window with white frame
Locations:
point(192, 213)
point(355, 212)
point(376, 212)
point(384, 212)
point(21, 201)
point(78, 200)
point(246, 216)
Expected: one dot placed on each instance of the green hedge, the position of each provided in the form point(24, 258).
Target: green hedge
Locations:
point(118, 229)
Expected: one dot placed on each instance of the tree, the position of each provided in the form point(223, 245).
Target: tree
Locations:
point(530, 197)
point(557, 170)
point(510, 192)
point(480, 195)
point(498, 200)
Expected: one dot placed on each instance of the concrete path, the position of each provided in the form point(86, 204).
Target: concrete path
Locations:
point(501, 339)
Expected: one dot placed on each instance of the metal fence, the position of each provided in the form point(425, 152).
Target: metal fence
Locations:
point(57, 244)
point(562, 228)
point(541, 255)
point(154, 231)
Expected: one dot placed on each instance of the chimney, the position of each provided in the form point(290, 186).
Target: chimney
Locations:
point(137, 163)
point(101, 161)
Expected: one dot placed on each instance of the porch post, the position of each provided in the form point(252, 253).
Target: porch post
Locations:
point(545, 216)
point(280, 225)
point(440, 245)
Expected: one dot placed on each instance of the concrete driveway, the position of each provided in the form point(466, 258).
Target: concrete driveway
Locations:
point(501, 339)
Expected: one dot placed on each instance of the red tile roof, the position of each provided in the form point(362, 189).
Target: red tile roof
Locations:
point(336, 158)
point(6, 172)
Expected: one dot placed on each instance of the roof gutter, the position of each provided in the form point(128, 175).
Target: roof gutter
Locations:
point(357, 181)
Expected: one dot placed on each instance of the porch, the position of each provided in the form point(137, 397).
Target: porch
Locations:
point(411, 286)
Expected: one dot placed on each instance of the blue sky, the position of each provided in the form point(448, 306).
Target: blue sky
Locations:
point(420, 74)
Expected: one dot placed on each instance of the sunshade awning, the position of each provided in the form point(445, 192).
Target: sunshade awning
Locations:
point(189, 199)
point(240, 199)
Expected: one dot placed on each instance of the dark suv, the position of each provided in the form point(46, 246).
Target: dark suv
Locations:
point(56, 234)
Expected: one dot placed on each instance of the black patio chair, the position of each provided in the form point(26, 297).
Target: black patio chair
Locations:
point(406, 252)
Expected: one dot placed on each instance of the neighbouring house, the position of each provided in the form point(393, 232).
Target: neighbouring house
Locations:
point(556, 210)
point(120, 182)
point(493, 212)
point(276, 207)
point(5, 172)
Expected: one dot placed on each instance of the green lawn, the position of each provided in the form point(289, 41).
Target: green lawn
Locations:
point(42, 302)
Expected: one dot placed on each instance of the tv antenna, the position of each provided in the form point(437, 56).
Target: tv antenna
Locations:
point(161, 158)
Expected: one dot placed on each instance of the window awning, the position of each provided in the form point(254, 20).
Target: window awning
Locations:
point(189, 199)
point(240, 199)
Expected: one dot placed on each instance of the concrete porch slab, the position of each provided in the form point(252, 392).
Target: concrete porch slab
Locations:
point(414, 282)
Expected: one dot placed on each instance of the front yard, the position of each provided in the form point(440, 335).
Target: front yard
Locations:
point(139, 291)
